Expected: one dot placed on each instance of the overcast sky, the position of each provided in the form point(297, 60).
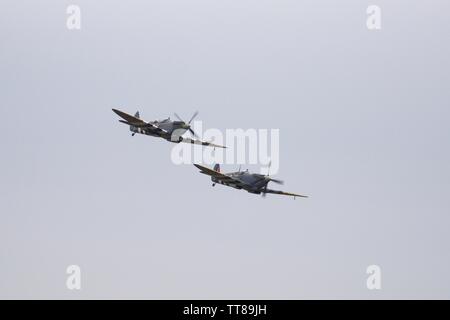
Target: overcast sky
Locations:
point(364, 130)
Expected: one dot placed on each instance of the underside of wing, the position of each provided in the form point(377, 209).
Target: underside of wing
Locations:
point(131, 120)
point(219, 176)
point(211, 172)
point(136, 122)
point(199, 142)
point(285, 193)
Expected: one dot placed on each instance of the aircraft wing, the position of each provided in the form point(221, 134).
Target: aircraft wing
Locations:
point(285, 193)
point(219, 176)
point(133, 121)
point(203, 143)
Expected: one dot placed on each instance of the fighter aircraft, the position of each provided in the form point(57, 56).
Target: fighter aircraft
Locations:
point(167, 129)
point(251, 182)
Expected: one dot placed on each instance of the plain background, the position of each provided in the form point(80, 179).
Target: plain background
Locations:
point(364, 129)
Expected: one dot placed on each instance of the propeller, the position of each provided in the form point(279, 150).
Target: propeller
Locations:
point(276, 181)
point(188, 124)
point(193, 117)
point(271, 179)
point(264, 193)
point(268, 179)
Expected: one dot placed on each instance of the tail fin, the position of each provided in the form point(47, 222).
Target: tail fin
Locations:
point(217, 167)
point(137, 114)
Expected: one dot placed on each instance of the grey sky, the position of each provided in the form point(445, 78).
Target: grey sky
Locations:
point(364, 129)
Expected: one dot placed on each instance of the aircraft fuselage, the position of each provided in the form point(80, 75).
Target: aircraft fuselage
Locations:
point(257, 182)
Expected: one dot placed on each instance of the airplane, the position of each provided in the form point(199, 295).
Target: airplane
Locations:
point(167, 129)
point(251, 182)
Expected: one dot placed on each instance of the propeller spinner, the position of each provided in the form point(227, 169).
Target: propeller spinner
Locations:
point(188, 124)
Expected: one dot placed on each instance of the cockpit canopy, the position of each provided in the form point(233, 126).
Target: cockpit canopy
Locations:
point(164, 120)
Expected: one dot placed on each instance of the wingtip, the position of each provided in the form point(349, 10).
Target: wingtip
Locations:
point(198, 166)
point(215, 145)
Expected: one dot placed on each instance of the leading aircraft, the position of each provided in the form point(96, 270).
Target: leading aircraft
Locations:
point(167, 129)
point(251, 182)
